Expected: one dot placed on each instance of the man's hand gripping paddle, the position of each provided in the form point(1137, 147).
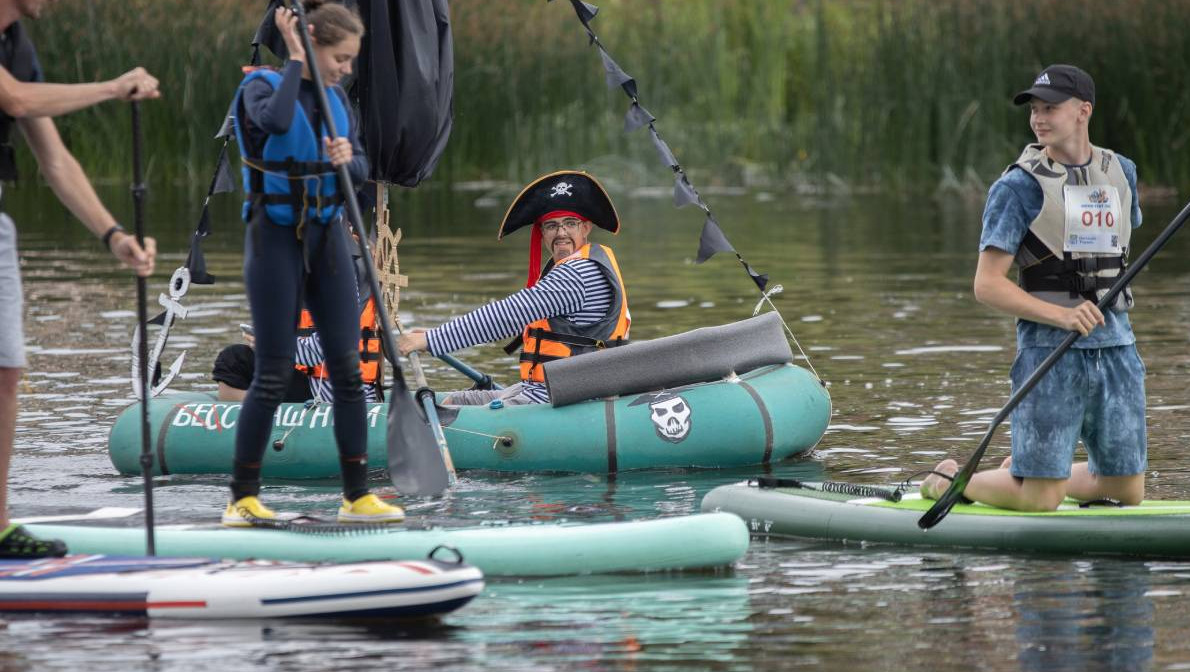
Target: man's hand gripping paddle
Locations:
point(414, 462)
point(949, 498)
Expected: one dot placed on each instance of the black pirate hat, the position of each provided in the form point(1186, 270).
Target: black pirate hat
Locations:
point(571, 190)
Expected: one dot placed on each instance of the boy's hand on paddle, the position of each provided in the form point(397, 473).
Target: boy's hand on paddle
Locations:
point(1082, 318)
point(338, 150)
point(136, 84)
point(126, 249)
point(412, 341)
point(287, 25)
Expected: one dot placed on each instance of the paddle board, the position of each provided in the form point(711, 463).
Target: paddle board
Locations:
point(202, 588)
point(1153, 528)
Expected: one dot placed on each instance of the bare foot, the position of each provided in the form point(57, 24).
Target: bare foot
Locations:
point(934, 485)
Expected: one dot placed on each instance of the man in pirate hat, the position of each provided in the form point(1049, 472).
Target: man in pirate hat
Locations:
point(576, 305)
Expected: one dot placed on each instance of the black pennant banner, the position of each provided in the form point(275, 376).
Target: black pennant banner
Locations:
point(684, 193)
point(761, 279)
point(637, 117)
point(663, 151)
point(615, 75)
point(224, 182)
point(586, 12)
point(195, 261)
point(712, 240)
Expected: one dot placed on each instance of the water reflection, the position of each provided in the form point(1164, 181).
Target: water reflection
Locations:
point(1085, 616)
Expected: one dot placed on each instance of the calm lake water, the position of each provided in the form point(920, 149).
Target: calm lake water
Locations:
point(877, 290)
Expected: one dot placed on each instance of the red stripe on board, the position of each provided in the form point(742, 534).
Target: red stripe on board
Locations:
point(420, 569)
point(96, 605)
point(193, 604)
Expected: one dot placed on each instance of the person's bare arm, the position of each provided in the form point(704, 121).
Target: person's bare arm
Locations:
point(70, 183)
point(39, 99)
point(994, 288)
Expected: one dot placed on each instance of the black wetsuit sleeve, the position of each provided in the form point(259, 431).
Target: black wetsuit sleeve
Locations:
point(272, 111)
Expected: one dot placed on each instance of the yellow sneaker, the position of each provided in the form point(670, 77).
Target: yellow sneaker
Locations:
point(241, 512)
point(369, 509)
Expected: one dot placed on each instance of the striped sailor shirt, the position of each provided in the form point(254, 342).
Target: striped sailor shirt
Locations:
point(309, 353)
point(577, 291)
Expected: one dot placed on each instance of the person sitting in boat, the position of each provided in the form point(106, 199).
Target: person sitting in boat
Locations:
point(236, 364)
point(1045, 214)
point(577, 304)
point(294, 247)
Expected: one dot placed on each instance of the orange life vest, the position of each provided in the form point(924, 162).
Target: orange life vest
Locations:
point(556, 337)
point(370, 359)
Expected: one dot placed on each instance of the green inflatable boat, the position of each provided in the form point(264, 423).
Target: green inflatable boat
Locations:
point(1152, 529)
point(682, 542)
point(673, 402)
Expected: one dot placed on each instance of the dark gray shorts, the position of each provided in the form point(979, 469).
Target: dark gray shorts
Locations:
point(12, 339)
point(511, 396)
point(1097, 395)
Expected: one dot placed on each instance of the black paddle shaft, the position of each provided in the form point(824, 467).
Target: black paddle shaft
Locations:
point(142, 319)
point(949, 498)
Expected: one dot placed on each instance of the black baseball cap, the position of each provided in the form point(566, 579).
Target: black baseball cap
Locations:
point(1057, 84)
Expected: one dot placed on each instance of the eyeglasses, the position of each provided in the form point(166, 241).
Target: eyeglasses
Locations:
point(570, 224)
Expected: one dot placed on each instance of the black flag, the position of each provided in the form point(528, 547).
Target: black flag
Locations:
point(405, 87)
point(712, 241)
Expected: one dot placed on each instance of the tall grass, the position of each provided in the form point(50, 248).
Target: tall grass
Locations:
point(896, 94)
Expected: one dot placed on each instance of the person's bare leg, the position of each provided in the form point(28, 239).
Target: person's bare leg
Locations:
point(934, 485)
point(998, 487)
point(9, 379)
point(1085, 486)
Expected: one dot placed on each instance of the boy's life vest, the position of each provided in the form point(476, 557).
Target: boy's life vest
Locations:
point(290, 177)
point(370, 358)
point(556, 337)
point(1077, 245)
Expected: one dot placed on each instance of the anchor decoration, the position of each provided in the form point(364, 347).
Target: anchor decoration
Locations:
point(179, 283)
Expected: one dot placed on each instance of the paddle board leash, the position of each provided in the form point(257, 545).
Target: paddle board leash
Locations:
point(391, 281)
point(142, 319)
point(712, 240)
point(837, 487)
point(952, 495)
point(415, 463)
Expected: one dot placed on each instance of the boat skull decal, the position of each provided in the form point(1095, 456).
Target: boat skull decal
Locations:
point(671, 418)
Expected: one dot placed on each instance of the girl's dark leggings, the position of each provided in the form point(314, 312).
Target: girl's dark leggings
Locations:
point(277, 280)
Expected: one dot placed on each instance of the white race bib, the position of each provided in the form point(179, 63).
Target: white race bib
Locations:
point(1092, 219)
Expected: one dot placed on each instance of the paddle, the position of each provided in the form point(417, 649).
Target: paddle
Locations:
point(484, 380)
point(414, 462)
point(142, 318)
point(949, 498)
point(424, 394)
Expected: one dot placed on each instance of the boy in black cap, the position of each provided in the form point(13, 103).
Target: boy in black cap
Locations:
point(578, 304)
point(1063, 213)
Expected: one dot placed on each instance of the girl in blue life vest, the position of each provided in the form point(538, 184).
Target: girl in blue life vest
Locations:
point(296, 250)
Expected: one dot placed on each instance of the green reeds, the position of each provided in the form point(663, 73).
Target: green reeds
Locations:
point(892, 94)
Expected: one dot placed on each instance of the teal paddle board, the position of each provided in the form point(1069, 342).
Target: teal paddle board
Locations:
point(1151, 529)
